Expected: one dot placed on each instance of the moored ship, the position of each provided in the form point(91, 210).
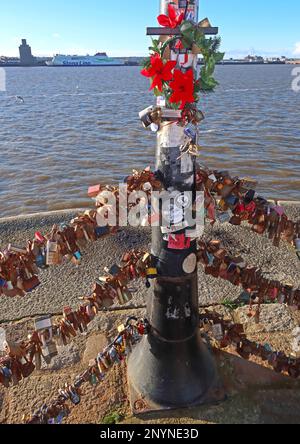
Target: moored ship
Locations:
point(99, 59)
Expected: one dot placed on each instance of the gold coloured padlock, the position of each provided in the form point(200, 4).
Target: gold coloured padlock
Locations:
point(121, 328)
point(151, 273)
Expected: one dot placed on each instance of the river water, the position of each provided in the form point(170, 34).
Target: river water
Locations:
point(79, 127)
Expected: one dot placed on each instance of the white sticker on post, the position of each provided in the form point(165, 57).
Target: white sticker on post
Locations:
point(187, 165)
point(190, 264)
point(161, 101)
point(171, 135)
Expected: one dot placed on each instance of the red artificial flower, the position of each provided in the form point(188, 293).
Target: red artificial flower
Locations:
point(159, 71)
point(183, 88)
point(173, 20)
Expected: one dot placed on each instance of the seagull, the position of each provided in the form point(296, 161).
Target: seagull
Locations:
point(20, 99)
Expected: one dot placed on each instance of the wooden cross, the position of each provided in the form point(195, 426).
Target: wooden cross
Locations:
point(176, 31)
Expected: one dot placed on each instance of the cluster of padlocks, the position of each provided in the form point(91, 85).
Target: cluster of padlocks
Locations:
point(20, 266)
point(224, 332)
point(21, 359)
point(227, 199)
point(227, 333)
point(219, 263)
point(239, 202)
point(57, 410)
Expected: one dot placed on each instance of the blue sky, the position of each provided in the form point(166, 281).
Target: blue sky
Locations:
point(266, 27)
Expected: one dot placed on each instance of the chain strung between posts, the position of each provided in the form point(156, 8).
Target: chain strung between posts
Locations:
point(240, 203)
point(225, 332)
point(19, 266)
point(115, 353)
point(219, 263)
point(23, 358)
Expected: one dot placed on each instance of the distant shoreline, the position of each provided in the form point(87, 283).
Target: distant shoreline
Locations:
point(137, 64)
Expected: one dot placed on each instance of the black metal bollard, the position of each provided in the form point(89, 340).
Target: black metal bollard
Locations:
point(171, 367)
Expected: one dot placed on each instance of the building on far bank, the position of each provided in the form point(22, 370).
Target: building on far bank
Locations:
point(254, 58)
point(26, 57)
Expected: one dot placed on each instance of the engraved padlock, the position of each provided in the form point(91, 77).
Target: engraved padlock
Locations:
point(8, 285)
point(223, 216)
point(74, 395)
point(113, 355)
point(52, 253)
point(217, 332)
point(44, 328)
point(16, 249)
point(50, 351)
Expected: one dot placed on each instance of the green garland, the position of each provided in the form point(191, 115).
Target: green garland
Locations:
point(192, 39)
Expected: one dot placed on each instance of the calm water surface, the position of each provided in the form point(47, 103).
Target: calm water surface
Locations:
point(80, 126)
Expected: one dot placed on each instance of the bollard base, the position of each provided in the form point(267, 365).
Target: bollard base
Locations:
point(182, 382)
point(140, 405)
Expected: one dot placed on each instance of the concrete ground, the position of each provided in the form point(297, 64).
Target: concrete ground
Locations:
point(63, 285)
point(254, 396)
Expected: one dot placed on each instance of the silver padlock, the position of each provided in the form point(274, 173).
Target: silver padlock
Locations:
point(217, 332)
point(50, 350)
point(150, 115)
point(52, 253)
point(74, 395)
